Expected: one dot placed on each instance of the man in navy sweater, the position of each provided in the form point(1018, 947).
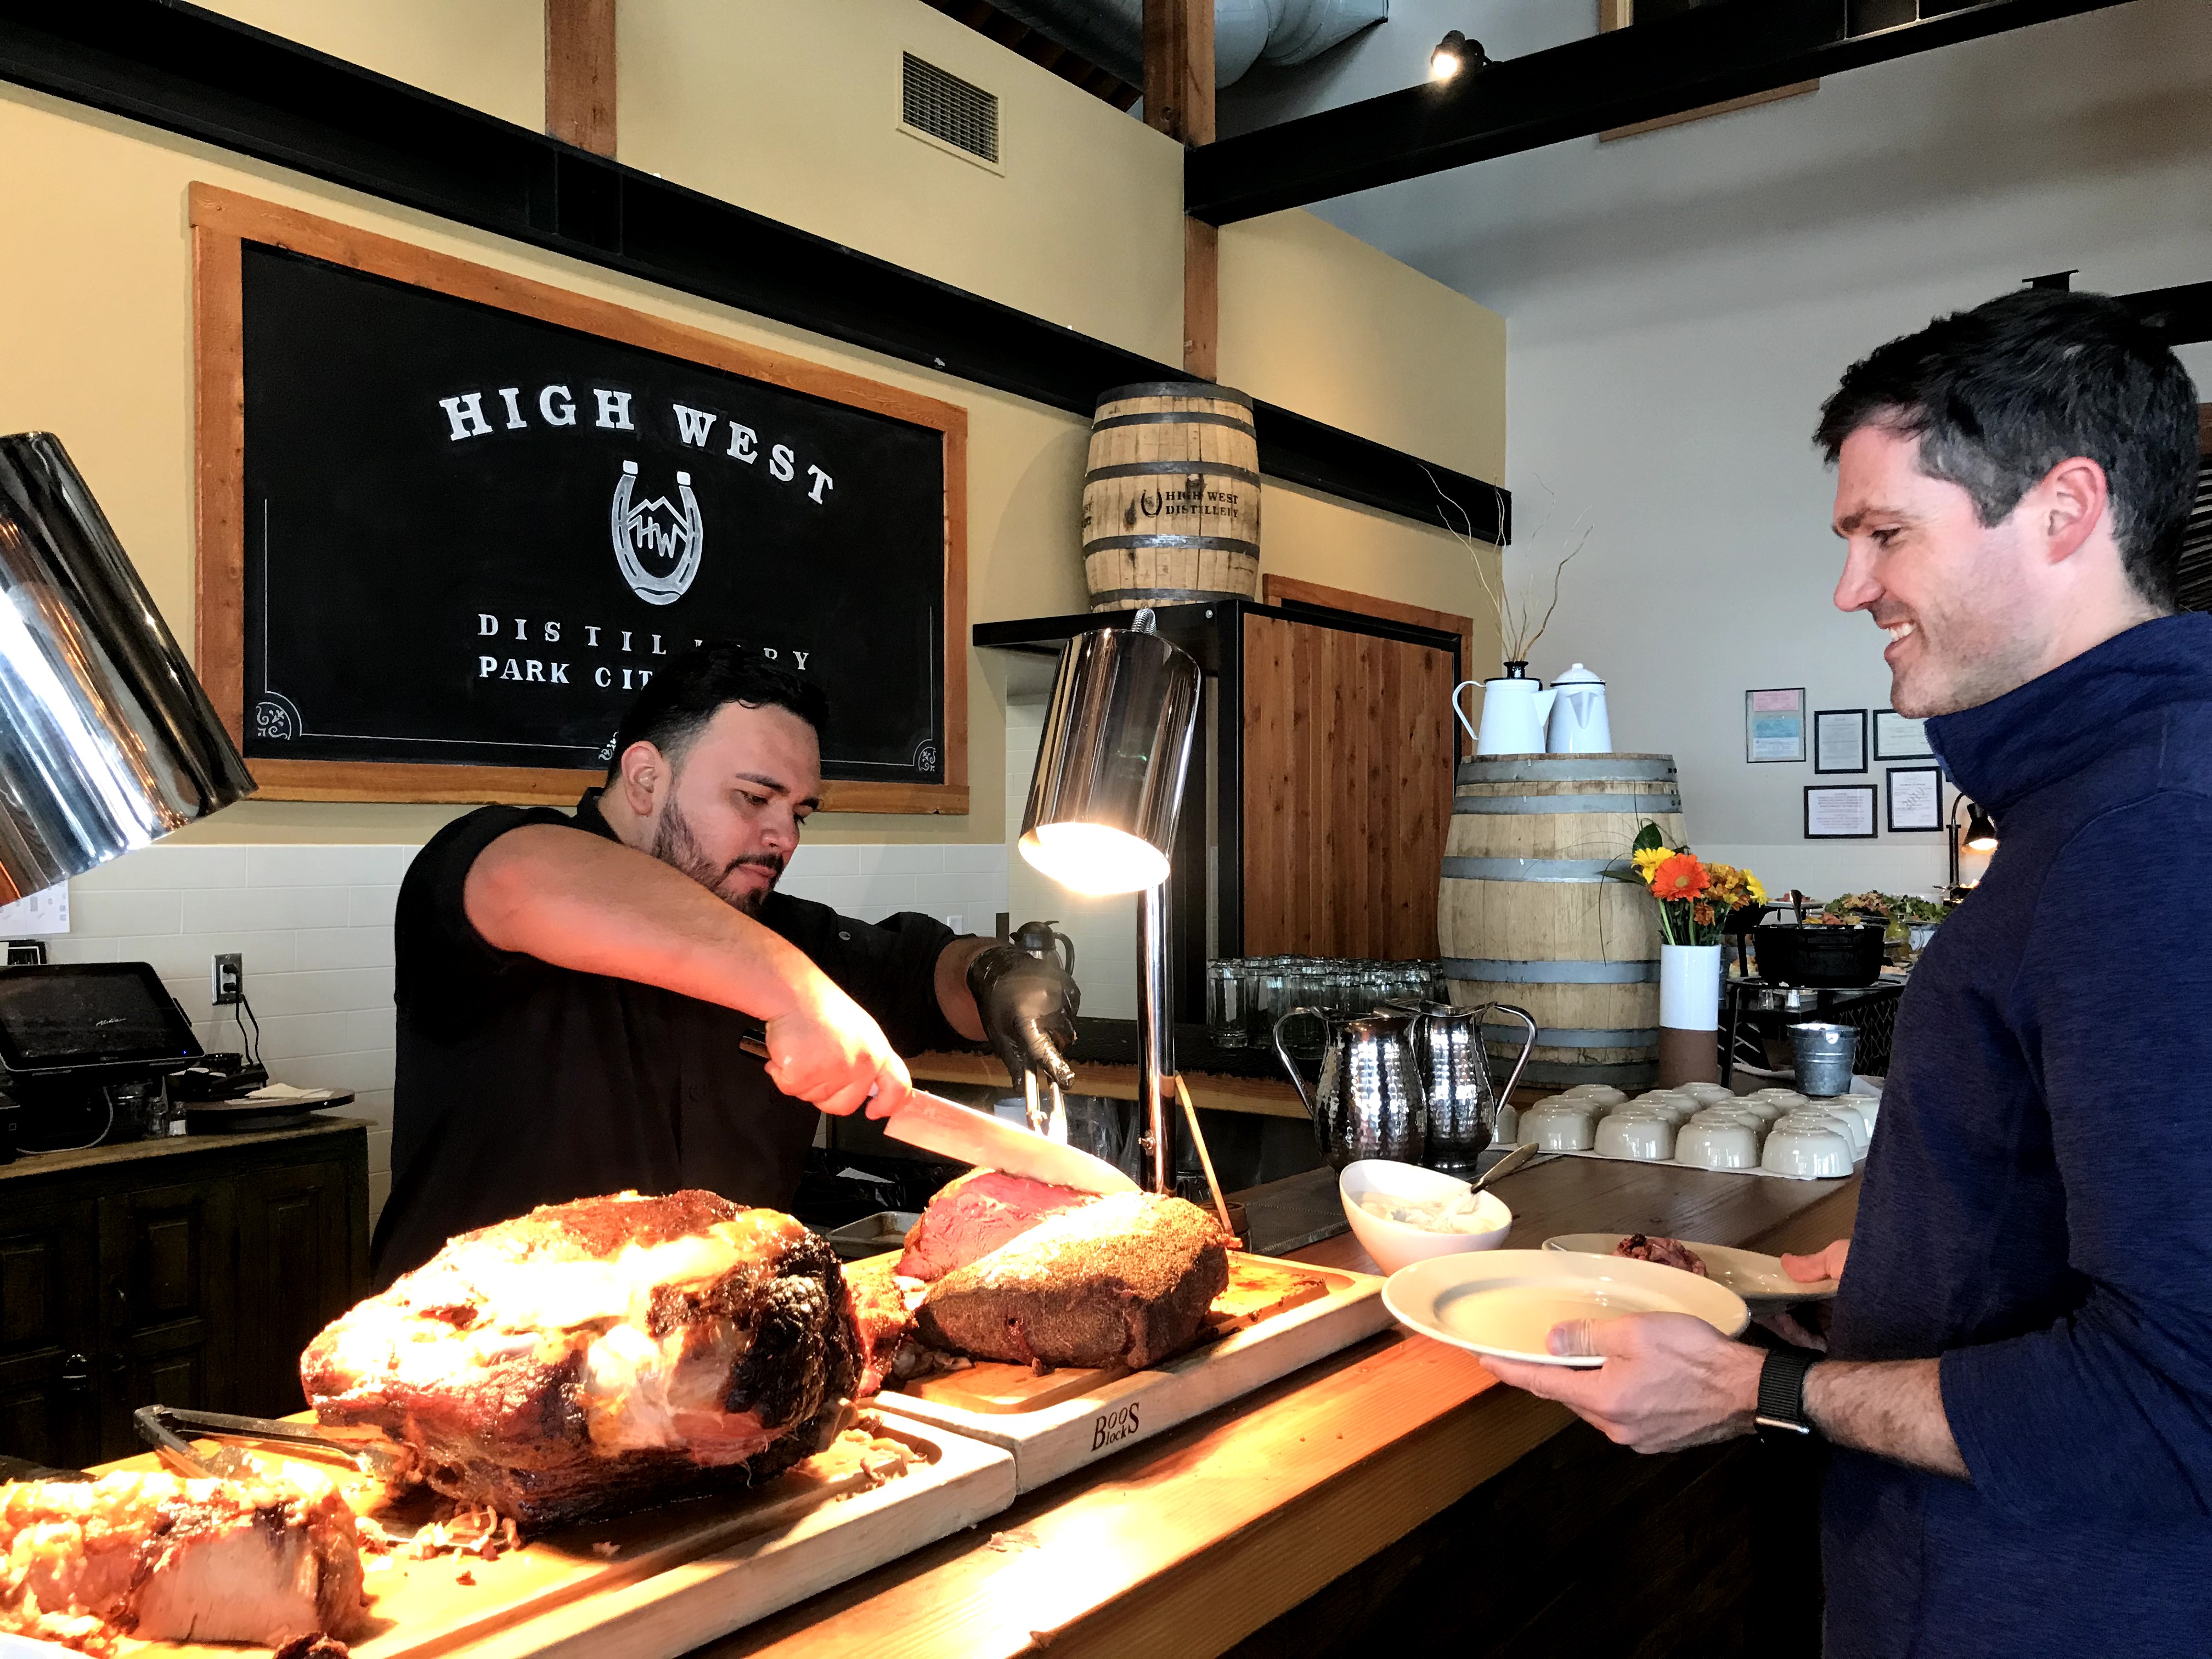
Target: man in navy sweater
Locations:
point(2018, 1378)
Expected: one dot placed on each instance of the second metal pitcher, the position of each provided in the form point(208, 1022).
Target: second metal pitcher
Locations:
point(1369, 1101)
point(1463, 1107)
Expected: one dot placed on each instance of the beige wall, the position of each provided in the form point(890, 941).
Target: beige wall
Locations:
point(100, 348)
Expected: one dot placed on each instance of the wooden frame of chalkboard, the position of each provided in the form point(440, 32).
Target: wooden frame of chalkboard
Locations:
point(911, 508)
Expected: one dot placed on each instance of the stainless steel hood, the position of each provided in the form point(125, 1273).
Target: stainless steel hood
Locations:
point(109, 740)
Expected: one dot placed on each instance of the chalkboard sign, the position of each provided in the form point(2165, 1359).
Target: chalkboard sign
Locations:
point(469, 516)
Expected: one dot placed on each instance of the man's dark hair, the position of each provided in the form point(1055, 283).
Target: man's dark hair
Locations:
point(2000, 394)
point(679, 700)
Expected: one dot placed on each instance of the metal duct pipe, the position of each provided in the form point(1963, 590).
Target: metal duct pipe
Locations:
point(1111, 32)
point(109, 740)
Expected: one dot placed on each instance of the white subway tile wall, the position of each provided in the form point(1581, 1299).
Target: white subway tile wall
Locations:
point(314, 925)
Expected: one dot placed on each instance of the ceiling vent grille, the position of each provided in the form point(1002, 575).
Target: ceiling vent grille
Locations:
point(950, 110)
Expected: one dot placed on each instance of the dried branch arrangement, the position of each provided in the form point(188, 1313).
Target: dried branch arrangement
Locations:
point(1520, 627)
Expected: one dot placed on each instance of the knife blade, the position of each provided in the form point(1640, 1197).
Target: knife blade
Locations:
point(937, 1125)
point(932, 1123)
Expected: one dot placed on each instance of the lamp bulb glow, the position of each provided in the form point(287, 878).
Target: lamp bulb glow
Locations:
point(1091, 858)
point(1448, 57)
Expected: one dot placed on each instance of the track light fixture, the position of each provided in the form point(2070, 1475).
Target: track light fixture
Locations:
point(1454, 53)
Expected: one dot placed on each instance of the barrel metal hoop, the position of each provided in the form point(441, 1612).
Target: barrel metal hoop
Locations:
point(1217, 543)
point(1569, 1036)
point(1165, 595)
point(1461, 869)
point(1207, 389)
point(1567, 769)
point(1503, 972)
point(1174, 469)
point(1623, 1075)
point(1559, 806)
point(1177, 417)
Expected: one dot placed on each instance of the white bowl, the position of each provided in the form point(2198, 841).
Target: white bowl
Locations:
point(1708, 1092)
point(1805, 1149)
point(1722, 1145)
point(1393, 1243)
point(1604, 1093)
point(1848, 1112)
point(1639, 1134)
point(1558, 1131)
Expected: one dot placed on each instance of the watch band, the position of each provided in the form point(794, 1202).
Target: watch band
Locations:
point(1782, 1390)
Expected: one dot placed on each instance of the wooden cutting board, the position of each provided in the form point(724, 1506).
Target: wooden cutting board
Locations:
point(662, 1582)
point(1274, 1317)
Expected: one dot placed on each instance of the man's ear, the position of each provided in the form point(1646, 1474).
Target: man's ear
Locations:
point(645, 776)
point(2070, 503)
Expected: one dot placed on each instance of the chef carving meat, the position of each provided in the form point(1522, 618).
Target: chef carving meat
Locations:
point(572, 987)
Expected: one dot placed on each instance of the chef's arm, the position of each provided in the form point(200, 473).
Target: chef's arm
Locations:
point(579, 902)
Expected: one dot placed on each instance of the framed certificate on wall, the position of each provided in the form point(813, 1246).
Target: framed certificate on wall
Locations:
point(1915, 797)
point(1839, 740)
point(1774, 725)
point(1840, 812)
point(1898, 737)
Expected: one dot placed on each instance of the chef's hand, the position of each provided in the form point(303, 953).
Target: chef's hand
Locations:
point(1669, 1379)
point(830, 1053)
point(1028, 1009)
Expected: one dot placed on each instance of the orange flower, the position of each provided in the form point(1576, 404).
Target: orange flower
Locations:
point(1680, 876)
point(1702, 914)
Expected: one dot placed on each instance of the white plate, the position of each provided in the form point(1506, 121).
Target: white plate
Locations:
point(1761, 1280)
point(1505, 1302)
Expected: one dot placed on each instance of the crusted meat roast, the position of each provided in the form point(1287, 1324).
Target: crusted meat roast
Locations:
point(158, 1557)
point(1124, 1279)
point(600, 1355)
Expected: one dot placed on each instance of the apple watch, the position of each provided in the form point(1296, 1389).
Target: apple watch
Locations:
point(1781, 1410)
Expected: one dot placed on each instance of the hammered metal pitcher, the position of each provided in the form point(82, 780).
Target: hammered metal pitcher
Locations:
point(1369, 1101)
point(1463, 1107)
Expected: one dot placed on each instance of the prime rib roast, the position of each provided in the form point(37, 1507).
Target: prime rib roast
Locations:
point(601, 1355)
point(157, 1555)
point(1002, 1268)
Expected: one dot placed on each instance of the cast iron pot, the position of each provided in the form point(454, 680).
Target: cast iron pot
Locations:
point(1818, 953)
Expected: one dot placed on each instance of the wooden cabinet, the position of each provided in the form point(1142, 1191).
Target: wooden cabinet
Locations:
point(188, 1272)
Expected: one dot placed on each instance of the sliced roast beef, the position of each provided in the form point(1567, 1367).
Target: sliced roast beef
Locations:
point(972, 1217)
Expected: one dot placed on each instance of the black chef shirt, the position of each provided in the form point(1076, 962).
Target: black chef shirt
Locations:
point(521, 1084)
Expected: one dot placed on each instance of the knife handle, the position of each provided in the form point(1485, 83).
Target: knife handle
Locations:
point(755, 1042)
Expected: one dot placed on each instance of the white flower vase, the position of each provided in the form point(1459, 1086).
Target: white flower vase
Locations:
point(1689, 1014)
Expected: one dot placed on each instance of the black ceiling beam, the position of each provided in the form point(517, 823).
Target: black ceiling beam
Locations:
point(1731, 49)
point(2180, 316)
point(193, 72)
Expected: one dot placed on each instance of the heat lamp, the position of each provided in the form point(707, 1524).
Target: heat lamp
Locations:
point(1101, 818)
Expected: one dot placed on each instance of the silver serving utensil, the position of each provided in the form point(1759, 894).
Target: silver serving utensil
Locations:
point(1505, 1166)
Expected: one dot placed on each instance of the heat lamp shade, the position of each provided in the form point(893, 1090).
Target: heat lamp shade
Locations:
point(1109, 772)
point(109, 742)
point(1981, 832)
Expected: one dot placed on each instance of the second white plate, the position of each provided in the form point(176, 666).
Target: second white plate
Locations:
point(1761, 1280)
point(1505, 1302)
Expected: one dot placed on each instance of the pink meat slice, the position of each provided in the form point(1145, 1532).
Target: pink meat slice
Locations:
point(974, 1215)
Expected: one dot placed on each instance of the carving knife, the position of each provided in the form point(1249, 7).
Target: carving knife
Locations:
point(933, 1124)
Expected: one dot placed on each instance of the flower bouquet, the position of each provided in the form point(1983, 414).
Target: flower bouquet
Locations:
point(1696, 897)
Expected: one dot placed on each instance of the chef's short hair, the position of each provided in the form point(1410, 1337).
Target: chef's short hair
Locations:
point(679, 700)
point(2000, 394)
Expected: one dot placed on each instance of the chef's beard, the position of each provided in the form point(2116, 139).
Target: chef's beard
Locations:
point(675, 846)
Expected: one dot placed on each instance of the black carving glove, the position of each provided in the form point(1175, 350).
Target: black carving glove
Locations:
point(1028, 1009)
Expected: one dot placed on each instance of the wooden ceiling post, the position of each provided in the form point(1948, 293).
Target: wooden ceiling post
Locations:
point(1179, 101)
point(580, 73)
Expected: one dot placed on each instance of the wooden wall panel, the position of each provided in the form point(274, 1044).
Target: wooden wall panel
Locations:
point(1347, 791)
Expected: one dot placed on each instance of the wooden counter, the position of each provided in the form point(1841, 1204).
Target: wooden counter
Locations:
point(1191, 1543)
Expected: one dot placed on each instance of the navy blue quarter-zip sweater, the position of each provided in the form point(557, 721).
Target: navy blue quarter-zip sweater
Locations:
point(2037, 1202)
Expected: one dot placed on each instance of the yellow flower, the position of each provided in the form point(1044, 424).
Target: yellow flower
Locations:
point(1758, 893)
point(1649, 860)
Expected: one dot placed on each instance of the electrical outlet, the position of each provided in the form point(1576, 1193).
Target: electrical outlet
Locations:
point(226, 977)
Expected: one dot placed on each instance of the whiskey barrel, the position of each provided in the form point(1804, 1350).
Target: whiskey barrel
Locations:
point(1171, 497)
point(1525, 914)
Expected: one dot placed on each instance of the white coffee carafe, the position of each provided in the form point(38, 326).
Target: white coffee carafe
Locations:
point(1514, 710)
point(1579, 724)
